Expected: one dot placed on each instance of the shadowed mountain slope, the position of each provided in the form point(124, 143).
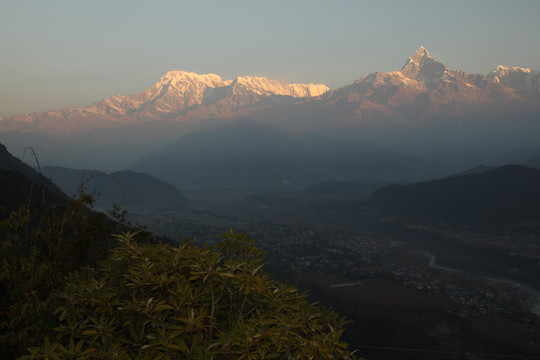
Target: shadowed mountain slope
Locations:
point(509, 194)
point(256, 155)
point(11, 163)
point(17, 190)
point(124, 188)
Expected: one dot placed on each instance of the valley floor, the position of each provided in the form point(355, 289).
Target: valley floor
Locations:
point(411, 290)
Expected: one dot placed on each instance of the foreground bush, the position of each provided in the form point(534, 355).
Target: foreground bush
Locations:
point(188, 302)
point(41, 242)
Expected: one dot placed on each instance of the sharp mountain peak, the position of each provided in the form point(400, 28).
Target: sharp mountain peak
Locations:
point(420, 55)
point(421, 64)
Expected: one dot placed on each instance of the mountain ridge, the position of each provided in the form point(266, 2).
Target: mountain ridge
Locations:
point(424, 86)
point(464, 119)
point(9, 162)
point(128, 189)
point(503, 195)
point(178, 95)
point(255, 155)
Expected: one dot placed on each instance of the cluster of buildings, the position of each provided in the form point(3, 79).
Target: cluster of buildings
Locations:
point(304, 250)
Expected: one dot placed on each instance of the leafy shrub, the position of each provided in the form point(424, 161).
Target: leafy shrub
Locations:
point(41, 243)
point(188, 302)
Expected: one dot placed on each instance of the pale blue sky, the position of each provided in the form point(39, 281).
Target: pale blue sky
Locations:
point(68, 53)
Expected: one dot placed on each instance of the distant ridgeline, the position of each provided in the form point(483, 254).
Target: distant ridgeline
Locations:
point(507, 195)
point(127, 189)
point(123, 188)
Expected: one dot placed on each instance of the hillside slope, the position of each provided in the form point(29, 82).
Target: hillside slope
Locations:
point(509, 194)
point(124, 188)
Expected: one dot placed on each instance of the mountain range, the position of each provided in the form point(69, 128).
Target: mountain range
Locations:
point(424, 87)
point(178, 96)
point(426, 109)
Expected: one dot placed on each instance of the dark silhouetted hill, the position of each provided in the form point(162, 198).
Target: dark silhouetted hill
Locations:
point(123, 188)
point(509, 194)
point(70, 180)
point(249, 154)
point(533, 162)
point(480, 169)
point(17, 190)
point(232, 155)
point(11, 163)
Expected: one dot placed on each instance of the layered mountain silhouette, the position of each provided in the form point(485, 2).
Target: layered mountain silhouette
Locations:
point(426, 107)
point(246, 153)
point(505, 195)
point(126, 189)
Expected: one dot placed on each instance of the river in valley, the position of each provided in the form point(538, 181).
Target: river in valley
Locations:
point(534, 308)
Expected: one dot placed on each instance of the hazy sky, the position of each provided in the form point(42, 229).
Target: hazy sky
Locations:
point(56, 54)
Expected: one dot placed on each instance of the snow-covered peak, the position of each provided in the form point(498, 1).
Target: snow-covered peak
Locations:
point(258, 84)
point(420, 55)
point(177, 76)
point(503, 70)
point(516, 77)
point(265, 87)
point(422, 65)
point(305, 90)
point(178, 91)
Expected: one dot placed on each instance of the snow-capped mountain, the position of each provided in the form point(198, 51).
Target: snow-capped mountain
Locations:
point(423, 74)
point(423, 90)
point(424, 104)
point(178, 95)
point(516, 78)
